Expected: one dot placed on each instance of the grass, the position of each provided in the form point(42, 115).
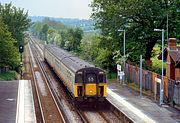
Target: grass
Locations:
point(11, 75)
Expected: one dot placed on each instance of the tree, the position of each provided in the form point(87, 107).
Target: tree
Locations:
point(90, 47)
point(73, 39)
point(139, 18)
point(54, 37)
point(44, 31)
point(17, 21)
point(8, 52)
point(78, 34)
point(36, 28)
point(69, 40)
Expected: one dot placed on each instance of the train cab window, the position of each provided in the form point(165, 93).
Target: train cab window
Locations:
point(79, 78)
point(91, 78)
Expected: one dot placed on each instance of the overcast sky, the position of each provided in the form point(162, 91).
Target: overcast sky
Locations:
point(54, 8)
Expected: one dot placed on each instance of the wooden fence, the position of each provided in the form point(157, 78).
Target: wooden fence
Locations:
point(171, 89)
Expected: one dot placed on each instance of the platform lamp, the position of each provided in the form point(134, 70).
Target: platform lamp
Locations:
point(162, 79)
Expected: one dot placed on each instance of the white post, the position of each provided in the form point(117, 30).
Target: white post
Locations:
point(141, 74)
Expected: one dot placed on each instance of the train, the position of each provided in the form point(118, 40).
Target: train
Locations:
point(83, 80)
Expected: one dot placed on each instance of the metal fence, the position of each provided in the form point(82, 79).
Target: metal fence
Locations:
point(176, 95)
point(4, 69)
point(171, 89)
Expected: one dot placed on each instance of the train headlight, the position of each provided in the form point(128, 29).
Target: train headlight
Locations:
point(101, 72)
point(79, 72)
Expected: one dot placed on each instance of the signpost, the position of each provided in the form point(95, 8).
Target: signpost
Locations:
point(121, 74)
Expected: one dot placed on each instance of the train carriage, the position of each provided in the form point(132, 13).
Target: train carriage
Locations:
point(83, 80)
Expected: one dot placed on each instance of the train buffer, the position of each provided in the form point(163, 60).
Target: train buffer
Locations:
point(16, 105)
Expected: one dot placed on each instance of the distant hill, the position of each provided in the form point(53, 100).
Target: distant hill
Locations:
point(86, 25)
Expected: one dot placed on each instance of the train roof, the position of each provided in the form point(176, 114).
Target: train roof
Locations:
point(72, 62)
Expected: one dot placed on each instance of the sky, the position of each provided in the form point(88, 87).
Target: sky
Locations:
point(54, 8)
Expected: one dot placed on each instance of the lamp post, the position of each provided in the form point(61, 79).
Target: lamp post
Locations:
point(162, 79)
point(119, 30)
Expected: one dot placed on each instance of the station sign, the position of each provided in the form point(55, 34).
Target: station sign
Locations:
point(157, 80)
point(118, 67)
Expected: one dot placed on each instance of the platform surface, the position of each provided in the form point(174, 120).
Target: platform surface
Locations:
point(140, 109)
point(8, 101)
point(16, 102)
point(25, 105)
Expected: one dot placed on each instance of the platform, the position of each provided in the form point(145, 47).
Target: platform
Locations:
point(8, 101)
point(140, 110)
point(16, 102)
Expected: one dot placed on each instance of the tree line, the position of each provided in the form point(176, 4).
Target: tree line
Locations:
point(13, 23)
point(57, 33)
point(138, 18)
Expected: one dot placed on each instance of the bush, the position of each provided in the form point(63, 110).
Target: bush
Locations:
point(11, 75)
point(111, 75)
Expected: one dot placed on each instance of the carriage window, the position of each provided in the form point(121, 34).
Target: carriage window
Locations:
point(91, 77)
point(101, 77)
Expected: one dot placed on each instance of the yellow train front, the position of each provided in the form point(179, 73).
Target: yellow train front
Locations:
point(83, 80)
point(90, 83)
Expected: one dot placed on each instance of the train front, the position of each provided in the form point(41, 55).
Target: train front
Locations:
point(90, 83)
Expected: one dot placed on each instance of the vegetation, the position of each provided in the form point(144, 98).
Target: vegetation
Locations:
point(157, 64)
point(8, 52)
point(13, 22)
point(139, 18)
point(16, 20)
point(11, 75)
point(57, 33)
point(85, 25)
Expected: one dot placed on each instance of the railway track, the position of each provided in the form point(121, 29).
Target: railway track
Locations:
point(100, 113)
point(49, 109)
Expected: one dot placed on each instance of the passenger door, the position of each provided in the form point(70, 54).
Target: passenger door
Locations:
point(91, 84)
